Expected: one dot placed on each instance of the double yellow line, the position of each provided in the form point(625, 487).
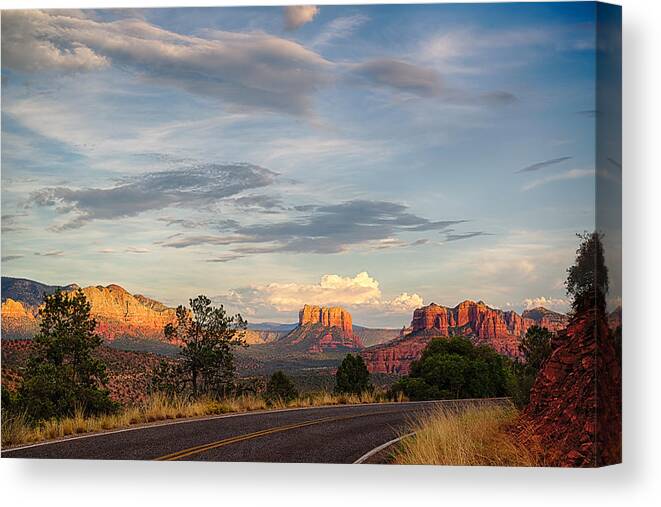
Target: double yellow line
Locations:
point(269, 431)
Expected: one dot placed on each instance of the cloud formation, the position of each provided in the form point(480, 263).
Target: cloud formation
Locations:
point(323, 229)
point(359, 291)
point(340, 28)
point(572, 174)
point(400, 76)
point(541, 165)
point(550, 303)
point(189, 188)
point(251, 70)
point(298, 15)
point(467, 235)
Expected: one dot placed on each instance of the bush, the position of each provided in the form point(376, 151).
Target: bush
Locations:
point(280, 388)
point(352, 376)
point(452, 368)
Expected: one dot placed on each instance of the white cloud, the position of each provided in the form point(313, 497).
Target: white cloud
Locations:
point(298, 15)
point(572, 174)
point(358, 292)
point(550, 303)
point(252, 70)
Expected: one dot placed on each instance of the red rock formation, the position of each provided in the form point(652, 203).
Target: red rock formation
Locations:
point(18, 321)
point(118, 314)
point(501, 330)
point(575, 409)
point(321, 329)
point(333, 316)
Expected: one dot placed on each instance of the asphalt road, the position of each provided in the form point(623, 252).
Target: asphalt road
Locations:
point(339, 434)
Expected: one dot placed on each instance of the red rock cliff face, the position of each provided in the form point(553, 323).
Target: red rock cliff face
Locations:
point(321, 329)
point(118, 314)
point(333, 316)
point(501, 330)
point(575, 409)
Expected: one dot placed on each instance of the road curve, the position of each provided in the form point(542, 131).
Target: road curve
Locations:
point(335, 434)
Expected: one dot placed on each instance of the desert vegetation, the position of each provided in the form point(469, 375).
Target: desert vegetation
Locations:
point(475, 436)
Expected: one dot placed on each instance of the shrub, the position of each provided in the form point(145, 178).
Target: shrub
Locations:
point(452, 368)
point(281, 388)
point(352, 376)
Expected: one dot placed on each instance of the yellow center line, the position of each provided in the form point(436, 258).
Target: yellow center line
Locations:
point(184, 453)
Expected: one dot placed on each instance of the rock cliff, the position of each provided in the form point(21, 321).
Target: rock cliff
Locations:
point(321, 329)
point(501, 330)
point(575, 412)
point(333, 316)
point(118, 313)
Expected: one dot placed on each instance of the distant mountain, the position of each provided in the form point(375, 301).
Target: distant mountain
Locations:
point(501, 330)
point(119, 314)
point(374, 336)
point(29, 292)
point(272, 326)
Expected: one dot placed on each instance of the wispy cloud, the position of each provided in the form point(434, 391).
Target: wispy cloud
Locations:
point(50, 253)
point(188, 188)
point(339, 29)
point(541, 165)
point(572, 174)
point(324, 229)
point(457, 237)
point(8, 258)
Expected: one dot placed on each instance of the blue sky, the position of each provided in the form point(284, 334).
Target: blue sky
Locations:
point(376, 157)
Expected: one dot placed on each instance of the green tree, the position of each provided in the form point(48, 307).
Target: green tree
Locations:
point(207, 338)
point(352, 376)
point(62, 374)
point(587, 280)
point(280, 387)
point(535, 348)
point(452, 368)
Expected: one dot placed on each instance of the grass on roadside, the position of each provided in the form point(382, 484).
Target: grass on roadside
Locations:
point(476, 436)
point(17, 429)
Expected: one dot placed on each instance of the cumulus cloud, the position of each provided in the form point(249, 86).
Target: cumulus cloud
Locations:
point(400, 76)
point(189, 188)
point(572, 174)
point(324, 229)
point(248, 70)
point(550, 303)
point(358, 292)
point(298, 15)
point(541, 165)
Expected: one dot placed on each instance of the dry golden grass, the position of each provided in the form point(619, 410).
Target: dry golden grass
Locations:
point(474, 437)
point(16, 430)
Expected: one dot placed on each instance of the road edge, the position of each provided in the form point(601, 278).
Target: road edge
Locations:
point(382, 447)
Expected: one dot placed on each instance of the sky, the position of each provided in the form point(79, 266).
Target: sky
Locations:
point(375, 157)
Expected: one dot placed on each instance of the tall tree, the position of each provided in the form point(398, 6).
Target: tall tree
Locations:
point(587, 280)
point(62, 374)
point(352, 376)
point(207, 337)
